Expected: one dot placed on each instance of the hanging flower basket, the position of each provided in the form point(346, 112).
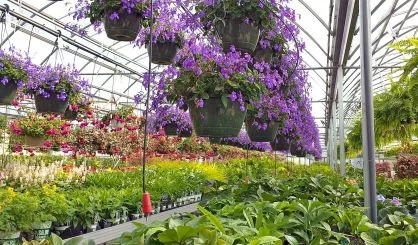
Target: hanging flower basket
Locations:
point(70, 115)
point(124, 28)
point(215, 120)
point(33, 141)
point(7, 93)
point(215, 140)
point(42, 230)
point(170, 129)
point(51, 105)
point(163, 53)
point(10, 238)
point(260, 135)
point(233, 32)
point(280, 143)
point(185, 134)
point(297, 151)
point(263, 55)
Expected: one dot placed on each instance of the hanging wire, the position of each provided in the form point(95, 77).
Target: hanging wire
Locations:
point(30, 38)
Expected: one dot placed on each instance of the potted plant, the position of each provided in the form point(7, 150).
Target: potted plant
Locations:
point(13, 74)
point(120, 116)
point(280, 143)
point(174, 121)
point(296, 149)
point(271, 43)
point(238, 23)
point(78, 105)
point(216, 88)
point(17, 214)
point(36, 131)
point(265, 117)
point(53, 87)
point(122, 19)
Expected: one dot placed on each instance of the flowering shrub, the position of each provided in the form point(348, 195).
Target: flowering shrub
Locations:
point(407, 166)
point(63, 82)
point(383, 169)
point(82, 105)
point(13, 67)
point(39, 126)
point(121, 114)
point(269, 109)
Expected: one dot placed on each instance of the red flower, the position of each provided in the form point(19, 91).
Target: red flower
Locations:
point(48, 144)
point(84, 124)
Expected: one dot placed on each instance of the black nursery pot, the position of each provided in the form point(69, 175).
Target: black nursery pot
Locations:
point(170, 129)
point(70, 115)
point(280, 144)
point(234, 32)
point(7, 93)
point(297, 152)
point(163, 53)
point(259, 135)
point(126, 28)
point(51, 105)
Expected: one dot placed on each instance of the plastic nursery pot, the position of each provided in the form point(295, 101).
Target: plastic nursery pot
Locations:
point(215, 120)
point(42, 230)
point(265, 55)
point(51, 105)
point(7, 93)
point(10, 238)
point(280, 143)
point(70, 115)
point(296, 151)
point(124, 28)
point(32, 141)
point(170, 129)
point(260, 135)
point(163, 53)
point(234, 32)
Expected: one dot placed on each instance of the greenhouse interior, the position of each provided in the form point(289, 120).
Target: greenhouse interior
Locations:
point(208, 122)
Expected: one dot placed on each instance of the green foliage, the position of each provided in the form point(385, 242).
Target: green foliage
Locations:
point(121, 112)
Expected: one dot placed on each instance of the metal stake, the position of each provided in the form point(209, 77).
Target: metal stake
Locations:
point(340, 79)
point(369, 168)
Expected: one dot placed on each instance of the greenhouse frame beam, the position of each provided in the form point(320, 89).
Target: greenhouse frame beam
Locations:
point(316, 15)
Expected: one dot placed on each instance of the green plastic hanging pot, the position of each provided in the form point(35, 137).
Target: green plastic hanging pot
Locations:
point(297, 151)
point(51, 105)
point(259, 135)
point(170, 129)
point(280, 143)
point(163, 53)
point(265, 55)
point(7, 93)
point(124, 28)
point(215, 120)
point(234, 32)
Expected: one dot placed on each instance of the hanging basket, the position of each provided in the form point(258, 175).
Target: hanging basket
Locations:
point(263, 55)
point(7, 93)
point(215, 120)
point(234, 32)
point(34, 141)
point(163, 53)
point(215, 140)
point(125, 28)
point(170, 129)
point(10, 238)
point(186, 134)
point(70, 115)
point(280, 143)
point(51, 105)
point(296, 151)
point(42, 230)
point(259, 135)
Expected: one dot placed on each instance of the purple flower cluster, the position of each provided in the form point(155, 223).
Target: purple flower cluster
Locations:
point(243, 141)
point(13, 67)
point(166, 115)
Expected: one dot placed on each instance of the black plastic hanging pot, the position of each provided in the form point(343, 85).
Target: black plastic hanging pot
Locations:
point(260, 135)
point(280, 143)
point(124, 28)
point(51, 105)
point(163, 53)
point(7, 93)
point(186, 134)
point(170, 129)
point(234, 32)
point(215, 120)
point(70, 115)
point(263, 55)
point(297, 151)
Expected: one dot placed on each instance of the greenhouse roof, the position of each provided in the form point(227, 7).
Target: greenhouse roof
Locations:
point(330, 30)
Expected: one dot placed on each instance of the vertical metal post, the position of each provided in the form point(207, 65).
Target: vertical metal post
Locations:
point(340, 79)
point(369, 168)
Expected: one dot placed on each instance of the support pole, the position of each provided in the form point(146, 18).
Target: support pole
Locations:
point(334, 129)
point(340, 80)
point(369, 168)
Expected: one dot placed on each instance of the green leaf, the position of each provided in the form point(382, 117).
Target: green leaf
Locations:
point(55, 240)
point(168, 236)
point(224, 99)
point(185, 232)
point(367, 239)
point(213, 219)
point(205, 96)
point(248, 218)
point(264, 240)
point(291, 240)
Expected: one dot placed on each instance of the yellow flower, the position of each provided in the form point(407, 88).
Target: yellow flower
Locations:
point(11, 192)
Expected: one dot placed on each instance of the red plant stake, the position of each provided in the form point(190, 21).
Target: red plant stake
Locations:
point(146, 204)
